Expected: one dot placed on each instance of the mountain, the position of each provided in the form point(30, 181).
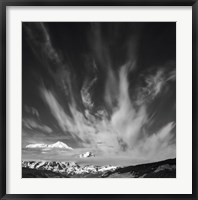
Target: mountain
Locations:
point(86, 155)
point(52, 169)
point(34, 173)
point(57, 145)
point(162, 169)
point(67, 168)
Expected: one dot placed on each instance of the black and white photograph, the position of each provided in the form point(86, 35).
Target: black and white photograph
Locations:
point(98, 100)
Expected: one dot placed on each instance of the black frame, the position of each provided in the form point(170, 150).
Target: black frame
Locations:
point(5, 3)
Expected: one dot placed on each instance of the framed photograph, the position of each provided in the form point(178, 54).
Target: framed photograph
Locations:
point(98, 99)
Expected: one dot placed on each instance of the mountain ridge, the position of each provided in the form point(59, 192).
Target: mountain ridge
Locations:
point(57, 145)
point(161, 169)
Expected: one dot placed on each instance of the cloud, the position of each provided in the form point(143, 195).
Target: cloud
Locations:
point(102, 55)
point(154, 83)
point(172, 76)
point(158, 145)
point(52, 60)
point(85, 94)
point(120, 126)
point(32, 124)
point(31, 110)
point(124, 130)
point(39, 39)
point(126, 119)
point(64, 120)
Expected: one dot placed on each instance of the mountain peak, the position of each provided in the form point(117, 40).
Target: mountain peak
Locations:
point(86, 155)
point(60, 145)
point(57, 145)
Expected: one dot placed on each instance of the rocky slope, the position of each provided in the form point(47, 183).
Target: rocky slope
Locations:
point(162, 169)
point(34, 173)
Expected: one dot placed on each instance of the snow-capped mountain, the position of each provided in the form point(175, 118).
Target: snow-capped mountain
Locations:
point(86, 155)
point(54, 169)
point(57, 145)
point(68, 168)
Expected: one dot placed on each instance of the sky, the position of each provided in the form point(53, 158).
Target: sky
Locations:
point(108, 88)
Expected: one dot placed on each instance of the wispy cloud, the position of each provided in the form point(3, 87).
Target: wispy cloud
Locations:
point(33, 124)
point(158, 146)
point(154, 83)
point(85, 94)
point(118, 127)
point(52, 59)
point(64, 121)
point(123, 131)
point(31, 110)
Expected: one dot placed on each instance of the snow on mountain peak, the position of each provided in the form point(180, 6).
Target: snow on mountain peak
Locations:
point(70, 168)
point(57, 145)
point(86, 155)
point(60, 145)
